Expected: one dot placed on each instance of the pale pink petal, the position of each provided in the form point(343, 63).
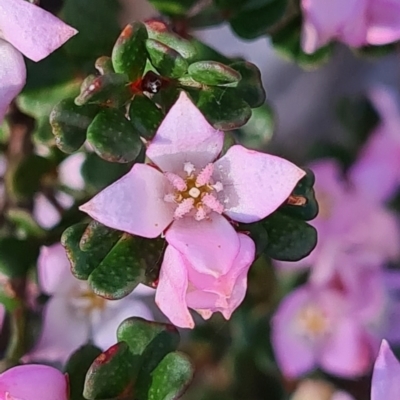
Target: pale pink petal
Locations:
point(185, 136)
point(210, 246)
point(12, 75)
point(33, 382)
point(384, 22)
point(69, 171)
point(386, 375)
point(171, 289)
point(254, 184)
point(53, 269)
point(33, 31)
point(62, 333)
point(325, 20)
point(134, 204)
point(44, 212)
point(295, 355)
point(340, 395)
point(347, 352)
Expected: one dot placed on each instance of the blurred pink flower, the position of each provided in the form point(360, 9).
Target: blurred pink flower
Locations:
point(74, 314)
point(318, 326)
point(313, 389)
point(32, 31)
point(33, 382)
point(354, 22)
point(386, 375)
point(191, 194)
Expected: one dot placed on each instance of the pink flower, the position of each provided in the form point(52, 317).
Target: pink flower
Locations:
point(33, 382)
point(32, 31)
point(312, 389)
point(319, 326)
point(386, 375)
point(74, 314)
point(188, 195)
point(354, 22)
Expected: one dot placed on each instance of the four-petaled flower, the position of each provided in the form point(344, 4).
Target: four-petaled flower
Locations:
point(191, 197)
point(32, 31)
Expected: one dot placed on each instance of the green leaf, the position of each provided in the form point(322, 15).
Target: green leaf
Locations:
point(99, 173)
point(213, 73)
point(166, 60)
point(17, 256)
point(145, 116)
point(25, 223)
point(302, 202)
point(258, 131)
point(69, 123)
point(289, 239)
point(159, 31)
point(250, 87)
point(150, 340)
point(98, 238)
point(129, 53)
point(170, 378)
point(113, 137)
point(172, 7)
point(287, 42)
point(252, 22)
point(104, 65)
point(222, 107)
point(121, 270)
point(110, 90)
point(97, 24)
point(111, 374)
point(77, 367)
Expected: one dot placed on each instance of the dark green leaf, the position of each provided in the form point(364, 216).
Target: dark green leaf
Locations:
point(222, 107)
point(166, 60)
point(113, 137)
point(76, 368)
point(289, 239)
point(121, 270)
point(213, 73)
point(170, 378)
point(145, 116)
point(111, 374)
point(69, 123)
point(108, 90)
point(129, 53)
point(250, 87)
point(172, 7)
point(98, 238)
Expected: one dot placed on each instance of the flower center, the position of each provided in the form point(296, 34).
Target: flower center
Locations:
point(313, 322)
point(85, 301)
point(195, 194)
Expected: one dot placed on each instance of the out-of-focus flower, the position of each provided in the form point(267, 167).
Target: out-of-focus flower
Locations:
point(312, 389)
point(33, 382)
point(190, 193)
point(32, 31)
point(386, 375)
point(354, 22)
point(317, 326)
point(74, 313)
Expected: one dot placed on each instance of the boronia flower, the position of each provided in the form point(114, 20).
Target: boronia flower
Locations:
point(354, 22)
point(191, 197)
point(33, 382)
point(25, 29)
point(386, 375)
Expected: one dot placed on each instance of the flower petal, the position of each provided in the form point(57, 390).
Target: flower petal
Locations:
point(134, 204)
point(386, 375)
point(69, 171)
point(185, 136)
point(33, 382)
point(171, 289)
point(54, 269)
point(210, 246)
point(12, 75)
point(347, 353)
point(33, 31)
point(254, 184)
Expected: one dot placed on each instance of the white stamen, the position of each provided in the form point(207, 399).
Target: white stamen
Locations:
point(176, 181)
point(200, 214)
point(194, 192)
point(218, 187)
point(211, 202)
point(189, 168)
point(205, 175)
point(183, 208)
